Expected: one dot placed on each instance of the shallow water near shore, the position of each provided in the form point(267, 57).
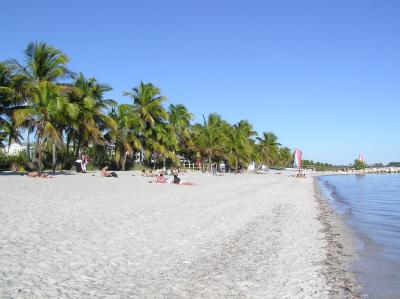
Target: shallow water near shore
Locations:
point(370, 205)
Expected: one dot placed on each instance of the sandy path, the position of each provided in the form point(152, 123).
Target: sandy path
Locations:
point(251, 236)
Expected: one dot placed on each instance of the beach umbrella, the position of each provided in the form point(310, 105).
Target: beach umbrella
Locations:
point(297, 158)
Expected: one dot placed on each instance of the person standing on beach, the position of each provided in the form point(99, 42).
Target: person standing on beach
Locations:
point(222, 167)
point(85, 161)
point(214, 168)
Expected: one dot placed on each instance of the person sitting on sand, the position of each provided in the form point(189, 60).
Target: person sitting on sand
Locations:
point(144, 172)
point(161, 179)
point(35, 174)
point(178, 181)
point(107, 174)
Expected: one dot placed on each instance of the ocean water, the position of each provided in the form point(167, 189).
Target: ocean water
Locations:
point(370, 205)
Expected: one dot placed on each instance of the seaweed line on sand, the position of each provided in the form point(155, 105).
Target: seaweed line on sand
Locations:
point(340, 252)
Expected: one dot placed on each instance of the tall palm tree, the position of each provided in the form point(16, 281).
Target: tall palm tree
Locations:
point(147, 102)
point(43, 63)
point(125, 135)
point(285, 156)
point(210, 137)
point(92, 120)
point(240, 144)
point(45, 107)
point(268, 147)
point(12, 90)
point(179, 119)
point(163, 143)
point(7, 94)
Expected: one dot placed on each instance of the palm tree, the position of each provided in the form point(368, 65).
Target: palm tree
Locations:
point(45, 107)
point(12, 134)
point(268, 147)
point(179, 119)
point(92, 120)
point(240, 143)
point(125, 135)
point(163, 143)
point(285, 156)
point(44, 63)
point(12, 89)
point(210, 137)
point(147, 102)
point(7, 94)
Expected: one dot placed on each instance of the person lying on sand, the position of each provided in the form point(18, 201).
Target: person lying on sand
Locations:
point(178, 181)
point(35, 174)
point(108, 174)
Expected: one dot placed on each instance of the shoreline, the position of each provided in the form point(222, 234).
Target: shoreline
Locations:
point(341, 250)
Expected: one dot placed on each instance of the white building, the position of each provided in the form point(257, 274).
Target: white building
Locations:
point(15, 149)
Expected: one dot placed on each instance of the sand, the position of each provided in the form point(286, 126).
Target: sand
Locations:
point(234, 236)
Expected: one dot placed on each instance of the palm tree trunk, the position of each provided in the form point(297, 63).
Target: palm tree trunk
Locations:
point(68, 142)
point(237, 166)
point(123, 161)
point(28, 145)
point(78, 146)
point(54, 157)
point(155, 162)
point(37, 156)
point(9, 144)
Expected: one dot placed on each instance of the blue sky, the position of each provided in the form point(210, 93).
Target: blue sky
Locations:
point(323, 75)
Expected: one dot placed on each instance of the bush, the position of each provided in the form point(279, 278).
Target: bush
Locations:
point(18, 162)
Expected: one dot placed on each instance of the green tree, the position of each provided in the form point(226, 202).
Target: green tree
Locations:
point(210, 137)
point(179, 119)
point(147, 102)
point(45, 107)
point(285, 157)
point(268, 148)
point(44, 65)
point(126, 134)
point(359, 165)
point(92, 121)
point(240, 144)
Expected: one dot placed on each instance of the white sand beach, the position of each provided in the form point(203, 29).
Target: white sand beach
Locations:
point(234, 236)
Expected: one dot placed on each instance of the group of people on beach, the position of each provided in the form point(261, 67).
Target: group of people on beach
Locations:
point(166, 177)
point(214, 168)
point(81, 163)
point(163, 176)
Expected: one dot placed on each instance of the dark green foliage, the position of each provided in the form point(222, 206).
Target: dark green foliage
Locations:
point(394, 164)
